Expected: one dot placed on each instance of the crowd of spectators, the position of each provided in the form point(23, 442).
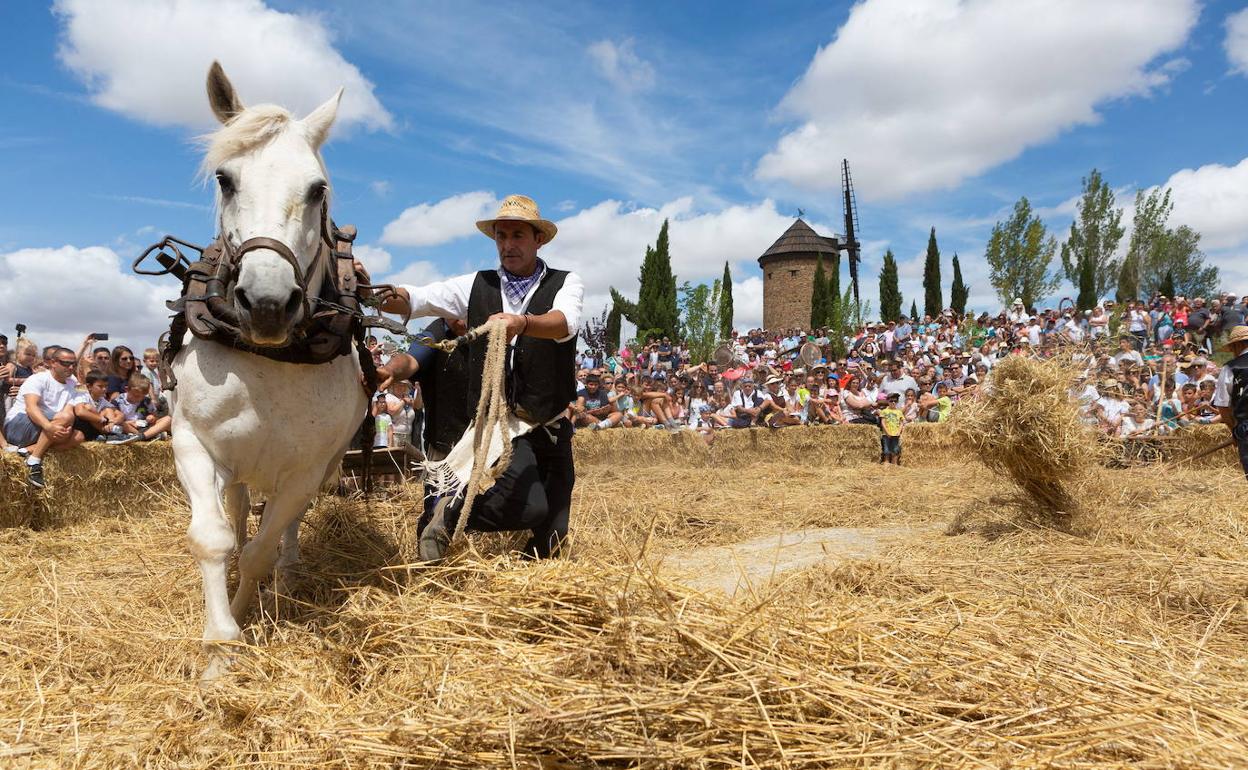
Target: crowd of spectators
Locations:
point(1147, 367)
point(55, 398)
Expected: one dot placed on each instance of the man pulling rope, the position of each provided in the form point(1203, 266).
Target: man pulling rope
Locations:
point(531, 313)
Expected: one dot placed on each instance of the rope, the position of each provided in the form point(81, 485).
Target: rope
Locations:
point(491, 412)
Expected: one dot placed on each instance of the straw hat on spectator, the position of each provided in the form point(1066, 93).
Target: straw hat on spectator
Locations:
point(519, 208)
point(774, 381)
point(1238, 335)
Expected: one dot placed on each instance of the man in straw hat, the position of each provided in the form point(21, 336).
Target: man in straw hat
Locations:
point(1230, 393)
point(541, 307)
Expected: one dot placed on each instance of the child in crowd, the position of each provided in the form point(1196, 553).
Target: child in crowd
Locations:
point(139, 412)
point(891, 420)
point(96, 416)
point(383, 424)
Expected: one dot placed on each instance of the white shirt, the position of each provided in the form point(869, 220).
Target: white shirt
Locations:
point(1222, 388)
point(900, 385)
point(449, 299)
point(53, 395)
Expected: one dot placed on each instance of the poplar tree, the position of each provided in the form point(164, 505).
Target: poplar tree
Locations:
point(914, 311)
point(1094, 237)
point(890, 294)
point(1087, 283)
point(1018, 253)
point(933, 303)
point(959, 291)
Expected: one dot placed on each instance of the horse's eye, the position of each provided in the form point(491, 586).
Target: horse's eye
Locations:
point(316, 192)
point(225, 183)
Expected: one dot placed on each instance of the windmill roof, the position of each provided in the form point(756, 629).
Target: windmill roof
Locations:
point(801, 238)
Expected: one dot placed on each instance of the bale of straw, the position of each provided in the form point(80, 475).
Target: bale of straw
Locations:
point(1026, 426)
point(87, 482)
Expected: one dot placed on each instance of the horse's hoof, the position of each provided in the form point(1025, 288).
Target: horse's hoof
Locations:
point(219, 664)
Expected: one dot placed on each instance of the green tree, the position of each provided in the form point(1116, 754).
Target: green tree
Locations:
point(1166, 289)
point(1018, 253)
point(914, 311)
point(1148, 230)
point(656, 312)
point(1093, 240)
point(834, 318)
point(1178, 253)
point(933, 303)
point(1087, 283)
point(613, 330)
point(701, 306)
point(959, 292)
point(819, 299)
point(890, 295)
point(725, 305)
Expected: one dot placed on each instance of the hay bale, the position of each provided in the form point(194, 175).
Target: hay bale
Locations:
point(88, 482)
point(1027, 427)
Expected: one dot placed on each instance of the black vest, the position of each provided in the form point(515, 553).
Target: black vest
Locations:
point(1239, 388)
point(443, 381)
point(541, 374)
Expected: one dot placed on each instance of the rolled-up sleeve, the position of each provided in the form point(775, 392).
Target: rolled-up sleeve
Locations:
point(569, 300)
point(444, 299)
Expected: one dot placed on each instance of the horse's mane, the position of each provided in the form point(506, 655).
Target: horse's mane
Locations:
point(251, 128)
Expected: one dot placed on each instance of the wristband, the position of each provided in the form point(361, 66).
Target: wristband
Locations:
point(526, 325)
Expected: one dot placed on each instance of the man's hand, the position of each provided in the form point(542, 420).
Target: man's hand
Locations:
point(516, 324)
point(56, 432)
point(362, 277)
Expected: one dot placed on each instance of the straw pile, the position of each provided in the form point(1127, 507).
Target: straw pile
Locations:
point(1027, 427)
point(93, 481)
point(1038, 649)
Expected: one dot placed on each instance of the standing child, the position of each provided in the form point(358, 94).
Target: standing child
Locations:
point(891, 419)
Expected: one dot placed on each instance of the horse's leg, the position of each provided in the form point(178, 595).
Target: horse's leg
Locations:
point(210, 537)
point(282, 510)
point(237, 506)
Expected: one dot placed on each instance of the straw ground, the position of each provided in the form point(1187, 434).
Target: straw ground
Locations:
point(1024, 647)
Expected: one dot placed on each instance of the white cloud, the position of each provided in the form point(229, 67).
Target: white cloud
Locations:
point(621, 66)
point(148, 59)
point(375, 259)
point(1236, 42)
point(1213, 200)
point(431, 224)
point(417, 273)
point(63, 293)
point(381, 188)
point(921, 96)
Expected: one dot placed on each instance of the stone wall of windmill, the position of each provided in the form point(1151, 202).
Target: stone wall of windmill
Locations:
point(789, 275)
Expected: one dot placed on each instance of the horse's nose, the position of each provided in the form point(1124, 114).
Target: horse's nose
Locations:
point(268, 317)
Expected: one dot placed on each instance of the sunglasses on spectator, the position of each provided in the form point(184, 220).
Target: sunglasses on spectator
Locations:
point(63, 362)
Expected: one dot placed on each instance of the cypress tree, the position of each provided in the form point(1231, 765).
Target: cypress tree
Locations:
point(959, 291)
point(914, 311)
point(932, 301)
point(890, 295)
point(657, 310)
point(819, 296)
point(1166, 288)
point(831, 316)
point(725, 305)
point(613, 330)
point(1087, 282)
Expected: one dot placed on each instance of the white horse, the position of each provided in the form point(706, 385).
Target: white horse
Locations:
point(243, 421)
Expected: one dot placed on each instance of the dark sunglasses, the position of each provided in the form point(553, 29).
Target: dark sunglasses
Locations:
point(63, 362)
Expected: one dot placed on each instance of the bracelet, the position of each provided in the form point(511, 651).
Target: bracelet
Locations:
point(526, 325)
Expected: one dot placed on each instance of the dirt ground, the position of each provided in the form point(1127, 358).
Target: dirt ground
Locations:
point(916, 623)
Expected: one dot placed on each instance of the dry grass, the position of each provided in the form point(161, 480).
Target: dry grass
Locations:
point(1003, 646)
point(1027, 426)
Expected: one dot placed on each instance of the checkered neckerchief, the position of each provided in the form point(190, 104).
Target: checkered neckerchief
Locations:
point(516, 287)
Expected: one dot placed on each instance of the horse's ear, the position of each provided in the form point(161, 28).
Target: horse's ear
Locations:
point(221, 94)
point(318, 121)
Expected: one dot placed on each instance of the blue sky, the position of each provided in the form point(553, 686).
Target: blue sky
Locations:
point(726, 118)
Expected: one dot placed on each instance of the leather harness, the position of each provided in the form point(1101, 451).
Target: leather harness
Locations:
point(332, 323)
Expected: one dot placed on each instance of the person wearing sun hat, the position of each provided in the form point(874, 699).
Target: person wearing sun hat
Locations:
point(1230, 392)
point(541, 307)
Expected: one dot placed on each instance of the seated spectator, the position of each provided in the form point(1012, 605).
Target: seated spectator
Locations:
point(141, 414)
point(746, 403)
point(1110, 408)
point(773, 411)
point(151, 370)
point(401, 405)
point(122, 369)
point(857, 407)
point(595, 408)
point(43, 421)
point(1136, 421)
point(94, 414)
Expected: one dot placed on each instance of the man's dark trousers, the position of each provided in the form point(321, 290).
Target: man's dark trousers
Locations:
point(534, 493)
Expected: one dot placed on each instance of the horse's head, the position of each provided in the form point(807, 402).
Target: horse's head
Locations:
point(272, 192)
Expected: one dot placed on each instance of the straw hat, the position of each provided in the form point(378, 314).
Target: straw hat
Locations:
point(519, 208)
point(1238, 334)
point(774, 381)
